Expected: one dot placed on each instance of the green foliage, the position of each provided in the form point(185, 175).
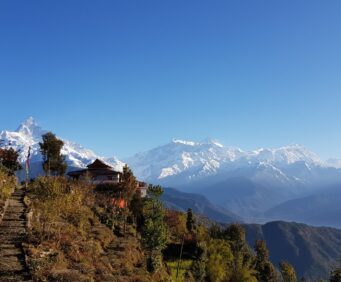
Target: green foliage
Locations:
point(183, 272)
point(154, 232)
point(220, 260)
point(335, 276)
point(241, 268)
point(176, 225)
point(9, 159)
point(54, 163)
point(265, 270)
point(287, 271)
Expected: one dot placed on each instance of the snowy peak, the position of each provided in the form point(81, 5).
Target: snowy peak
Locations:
point(29, 134)
point(207, 141)
point(286, 155)
point(186, 161)
point(31, 129)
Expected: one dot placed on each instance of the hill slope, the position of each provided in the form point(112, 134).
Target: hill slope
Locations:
point(313, 251)
point(181, 201)
point(321, 208)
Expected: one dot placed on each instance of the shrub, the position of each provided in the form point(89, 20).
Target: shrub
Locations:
point(7, 184)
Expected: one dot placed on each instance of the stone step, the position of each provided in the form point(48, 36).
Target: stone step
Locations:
point(13, 224)
point(11, 265)
point(10, 252)
point(17, 210)
point(17, 276)
point(4, 246)
point(5, 229)
point(18, 219)
point(15, 205)
point(12, 235)
point(13, 218)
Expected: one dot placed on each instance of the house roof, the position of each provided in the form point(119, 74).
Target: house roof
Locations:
point(98, 164)
point(98, 167)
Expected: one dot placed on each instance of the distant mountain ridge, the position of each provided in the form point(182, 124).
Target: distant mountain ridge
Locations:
point(181, 201)
point(313, 251)
point(192, 161)
point(320, 208)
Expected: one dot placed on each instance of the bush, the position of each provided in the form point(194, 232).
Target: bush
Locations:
point(7, 184)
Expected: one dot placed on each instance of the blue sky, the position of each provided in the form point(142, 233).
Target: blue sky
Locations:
point(124, 76)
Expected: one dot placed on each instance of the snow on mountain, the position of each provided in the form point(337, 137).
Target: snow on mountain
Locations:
point(29, 135)
point(183, 162)
point(187, 161)
point(178, 156)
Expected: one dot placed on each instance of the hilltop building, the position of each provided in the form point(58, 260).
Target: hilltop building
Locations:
point(100, 172)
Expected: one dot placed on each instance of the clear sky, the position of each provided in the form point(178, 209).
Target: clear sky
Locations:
point(124, 76)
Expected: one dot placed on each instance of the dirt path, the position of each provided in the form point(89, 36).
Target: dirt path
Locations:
point(12, 235)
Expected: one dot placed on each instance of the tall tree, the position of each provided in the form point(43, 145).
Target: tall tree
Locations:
point(154, 231)
point(9, 159)
point(53, 161)
point(287, 271)
point(242, 269)
point(190, 222)
point(266, 272)
point(129, 183)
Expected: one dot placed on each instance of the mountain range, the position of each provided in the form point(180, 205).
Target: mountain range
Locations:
point(259, 185)
point(248, 183)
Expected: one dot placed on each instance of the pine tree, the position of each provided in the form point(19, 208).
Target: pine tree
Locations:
point(242, 269)
point(190, 222)
point(287, 271)
point(154, 232)
point(266, 272)
point(129, 183)
point(53, 161)
point(9, 159)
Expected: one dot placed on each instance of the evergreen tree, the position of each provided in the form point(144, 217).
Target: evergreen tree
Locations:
point(154, 232)
point(242, 269)
point(287, 271)
point(266, 272)
point(190, 222)
point(235, 234)
point(53, 161)
point(9, 159)
point(335, 276)
point(129, 183)
point(220, 261)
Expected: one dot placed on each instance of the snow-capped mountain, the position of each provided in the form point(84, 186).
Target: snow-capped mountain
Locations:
point(246, 182)
point(195, 160)
point(28, 135)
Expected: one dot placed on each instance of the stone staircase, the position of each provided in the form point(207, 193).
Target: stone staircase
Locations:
point(12, 235)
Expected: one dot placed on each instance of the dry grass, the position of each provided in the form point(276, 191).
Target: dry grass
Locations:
point(69, 243)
